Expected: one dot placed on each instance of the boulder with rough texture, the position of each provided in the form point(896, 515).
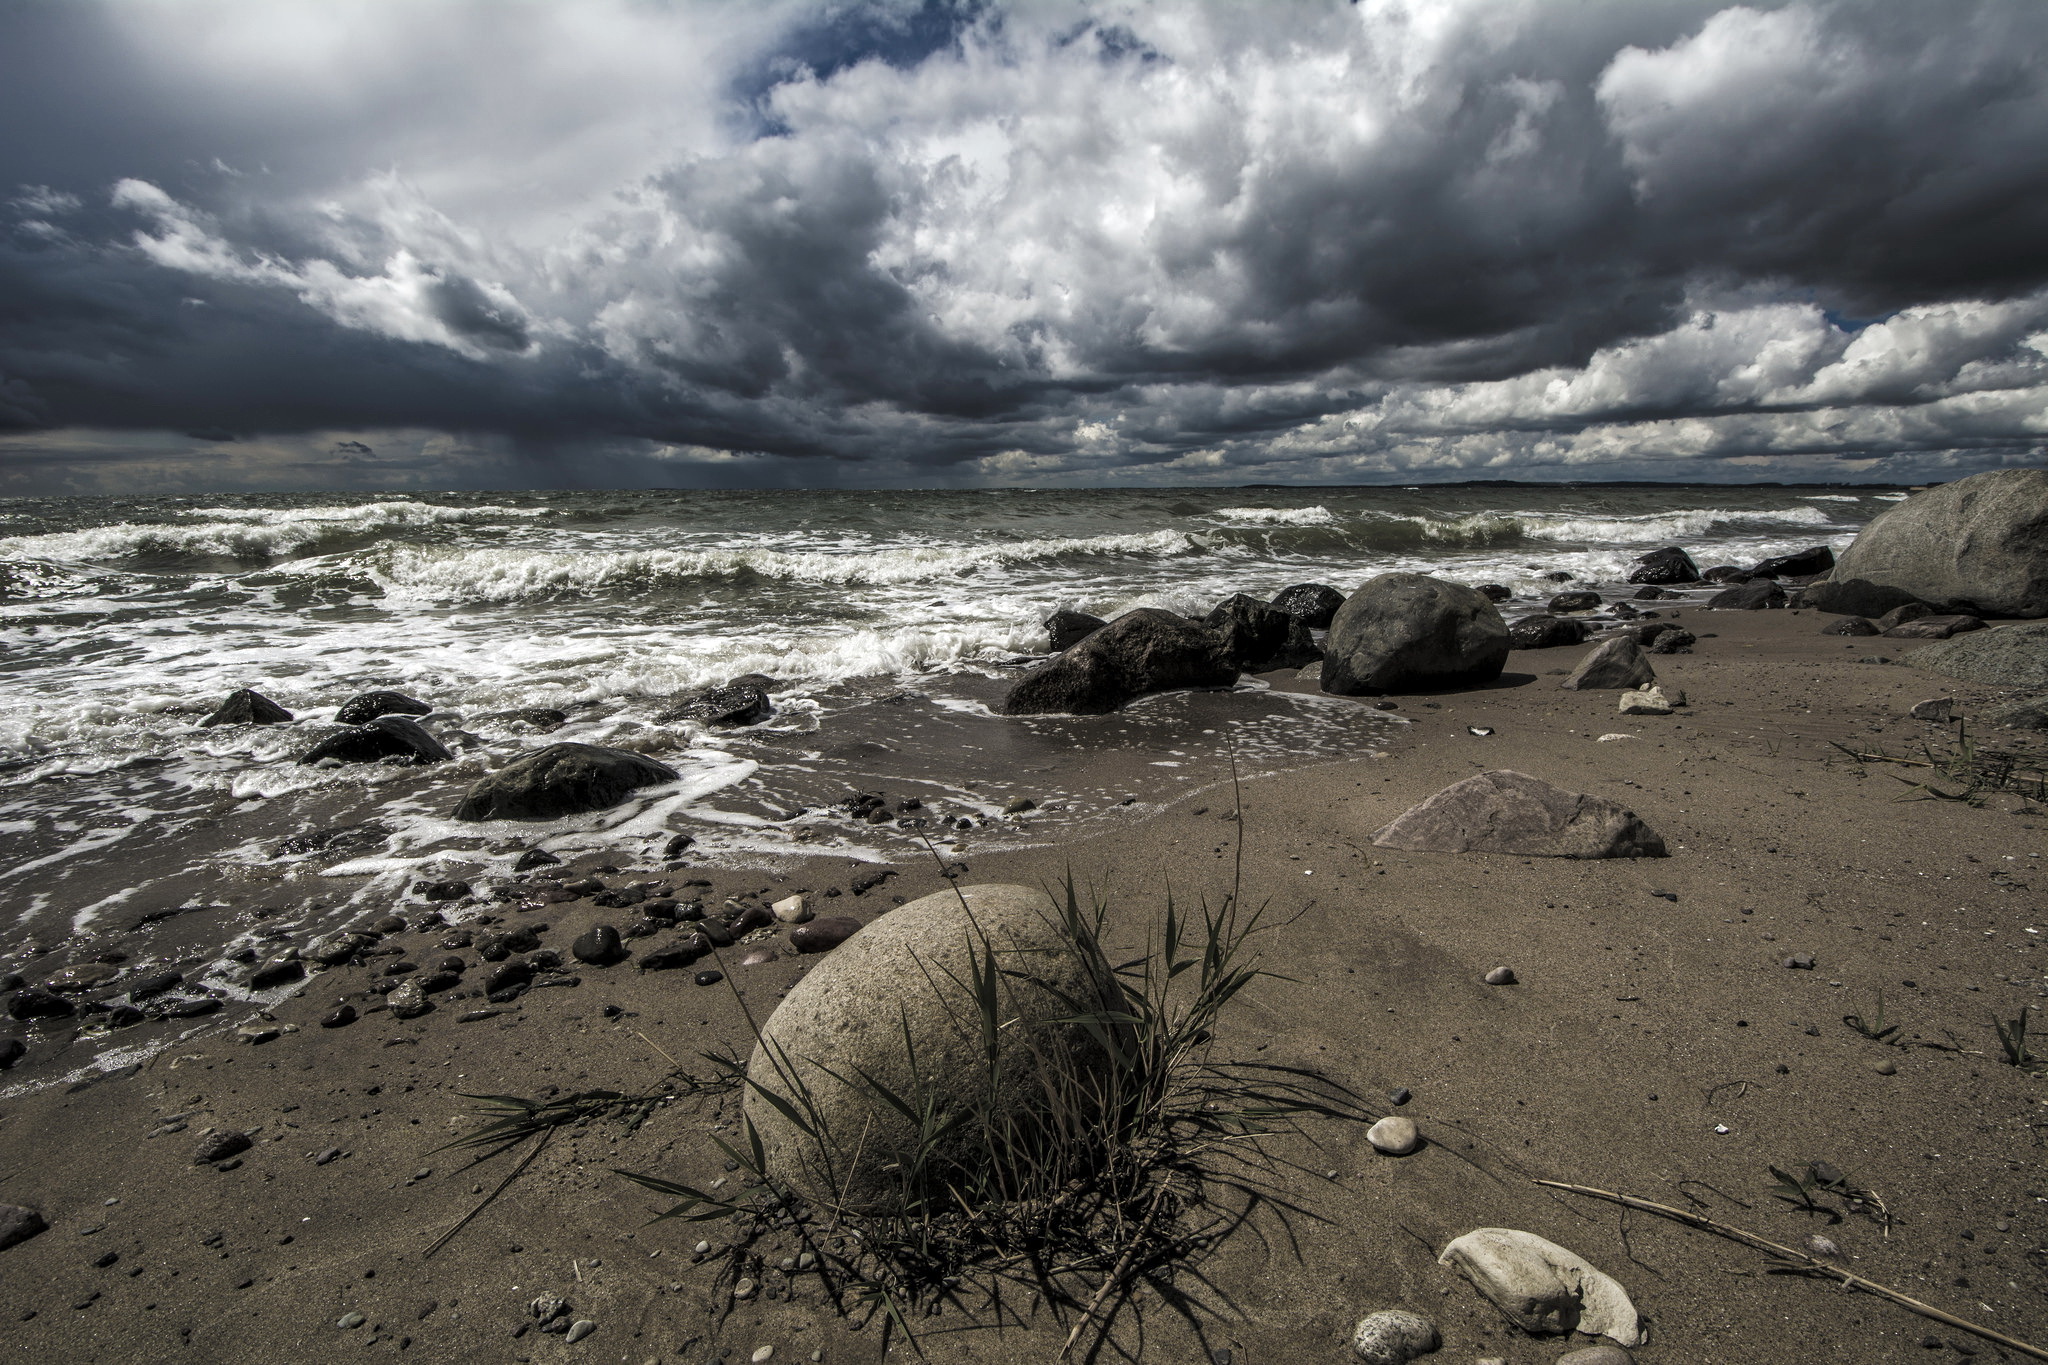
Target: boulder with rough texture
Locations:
point(1618, 663)
point(1934, 627)
point(393, 737)
point(1541, 1287)
point(247, 706)
point(1650, 701)
point(1850, 625)
point(1672, 641)
point(1314, 603)
point(1140, 652)
point(1495, 592)
point(1544, 631)
point(562, 779)
point(1597, 1355)
point(2003, 657)
point(2020, 715)
point(1393, 1336)
point(1408, 631)
point(743, 701)
point(1756, 594)
point(1981, 540)
point(1904, 612)
point(1258, 638)
point(1854, 596)
point(1798, 564)
point(1504, 811)
point(18, 1224)
point(1669, 565)
point(366, 707)
point(896, 1005)
point(1577, 600)
point(1725, 573)
point(1065, 628)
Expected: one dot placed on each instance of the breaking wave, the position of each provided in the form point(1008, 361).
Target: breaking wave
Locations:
point(246, 533)
point(1275, 516)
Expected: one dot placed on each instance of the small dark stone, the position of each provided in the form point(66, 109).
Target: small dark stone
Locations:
point(868, 881)
point(535, 857)
point(220, 1146)
point(1671, 640)
point(441, 891)
point(1575, 601)
point(1725, 573)
point(823, 935)
point(247, 707)
point(277, 973)
point(18, 1224)
point(1400, 1095)
point(12, 1050)
point(38, 1004)
point(508, 976)
point(341, 1016)
point(676, 846)
point(362, 709)
point(598, 945)
point(1802, 962)
point(709, 978)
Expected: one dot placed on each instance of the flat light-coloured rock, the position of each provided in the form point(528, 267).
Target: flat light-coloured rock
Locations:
point(792, 910)
point(1394, 1135)
point(1618, 663)
point(1934, 708)
point(1597, 1355)
point(1650, 701)
point(895, 1004)
point(1543, 1288)
point(1394, 1336)
point(1504, 811)
point(1981, 540)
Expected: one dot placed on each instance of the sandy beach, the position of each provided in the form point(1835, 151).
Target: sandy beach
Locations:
point(1654, 1044)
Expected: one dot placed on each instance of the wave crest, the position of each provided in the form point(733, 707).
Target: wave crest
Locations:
point(245, 533)
point(1275, 516)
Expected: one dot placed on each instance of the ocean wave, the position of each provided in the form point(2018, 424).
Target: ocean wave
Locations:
point(244, 533)
point(511, 574)
point(1660, 527)
point(1276, 516)
point(1830, 497)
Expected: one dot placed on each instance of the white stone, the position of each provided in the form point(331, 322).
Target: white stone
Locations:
point(762, 1353)
point(1394, 1135)
point(1650, 701)
point(1393, 1336)
point(1543, 1288)
point(792, 910)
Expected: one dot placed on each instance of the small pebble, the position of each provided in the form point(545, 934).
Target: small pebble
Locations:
point(1887, 1067)
point(351, 1320)
point(709, 978)
point(1395, 1136)
point(762, 1353)
point(1799, 962)
point(1400, 1095)
point(579, 1330)
point(1501, 976)
point(744, 1289)
point(1393, 1336)
point(1823, 1247)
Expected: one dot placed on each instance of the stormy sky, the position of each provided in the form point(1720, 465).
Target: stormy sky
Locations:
point(451, 243)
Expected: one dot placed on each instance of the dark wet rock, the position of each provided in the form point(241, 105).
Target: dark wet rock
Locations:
point(247, 707)
point(1755, 595)
point(1903, 613)
point(499, 946)
point(1575, 601)
point(1850, 625)
point(1669, 565)
point(752, 918)
point(1671, 641)
point(409, 1001)
point(441, 891)
point(1799, 564)
point(195, 1008)
point(740, 702)
point(1626, 611)
point(1934, 627)
point(1403, 631)
point(508, 975)
point(539, 719)
point(599, 946)
point(1557, 576)
point(823, 935)
point(562, 779)
point(677, 846)
point(1725, 573)
point(12, 1050)
point(276, 972)
point(37, 1004)
point(535, 857)
point(1509, 812)
point(368, 706)
point(1140, 652)
point(156, 983)
point(124, 1016)
point(433, 983)
point(1065, 628)
point(1855, 597)
point(389, 924)
point(220, 1146)
point(83, 977)
point(339, 839)
point(709, 978)
point(1652, 594)
point(660, 908)
point(341, 1016)
point(1981, 540)
point(334, 949)
point(385, 739)
point(1495, 592)
point(1616, 665)
point(682, 953)
point(1258, 638)
point(1315, 604)
point(868, 881)
point(1545, 632)
point(18, 1224)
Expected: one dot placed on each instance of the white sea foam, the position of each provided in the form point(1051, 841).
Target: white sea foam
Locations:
point(244, 533)
point(1275, 516)
point(1661, 527)
point(1830, 497)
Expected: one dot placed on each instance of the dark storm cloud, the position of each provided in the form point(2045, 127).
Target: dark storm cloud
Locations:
point(1043, 241)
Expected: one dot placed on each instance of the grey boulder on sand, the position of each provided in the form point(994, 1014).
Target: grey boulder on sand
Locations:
point(19, 1223)
point(1617, 665)
point(893, 1013)
point(1504, 811)
point(1393, 1336)
point(1404, 631)
point(1854, 597)
point(1544, 631)
point(2021, 715)
point(1142, 651)
point(1981, 540)
point(1758, 594)
point(562, 779)
point(1541, 1287)
point(2010, 656)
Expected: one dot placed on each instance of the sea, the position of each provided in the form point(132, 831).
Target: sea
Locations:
point(889, 622)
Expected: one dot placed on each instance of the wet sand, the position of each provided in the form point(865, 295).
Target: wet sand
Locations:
point(1652, 1013)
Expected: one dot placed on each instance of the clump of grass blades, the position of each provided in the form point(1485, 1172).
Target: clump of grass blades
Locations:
point(1129, 1156)
point(2012, 1040)
point(1980, 770)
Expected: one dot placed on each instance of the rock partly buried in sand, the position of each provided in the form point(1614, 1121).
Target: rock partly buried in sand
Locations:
point(1671, 640)
point(1981, 540)
point(1258, 638)
point(823, 935)
point(18, 1224)
point(1855, 597)
point(1669, 565)
point(1934, 708)
point(1069, 628)
point(1617, 664)
point(1504, 811)
point(1140, 652)
point(562, 779)
point(362, 709)
point(1597, 1355)
point(247, 706)
point(1851, 625)
point(2010, 656)
point(1394, 1336)
point(1798, 564)
point(1544, 631)
point(743, 701)
point(1314, 603)
point(2020, 715)
point(1934, 627)
point(385, 738)
point(1650, 701)
point(1758, 594)
point(896, 1004)
point(1541, 1287)
point(1405, 631)
point(1904, 612)
point(220, 1146)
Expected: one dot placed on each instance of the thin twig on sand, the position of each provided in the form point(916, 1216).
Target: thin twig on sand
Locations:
point(1803, 1262)
point(1115, 1276)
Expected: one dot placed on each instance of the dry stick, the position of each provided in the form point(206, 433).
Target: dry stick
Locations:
point(1115, 1276)
point(1801, 1259)
point(445, 1238)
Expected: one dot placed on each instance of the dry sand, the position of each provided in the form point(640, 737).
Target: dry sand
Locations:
point(1654, 1045)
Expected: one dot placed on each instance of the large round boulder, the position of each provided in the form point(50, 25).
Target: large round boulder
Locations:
point(1855, 597)
point(1142, 651)
point(394, 737)
point(1405, 631)
point(562, 779)
point(1669, 565)
point(898, 1013)
point(1981, 541)
point(367, 706)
